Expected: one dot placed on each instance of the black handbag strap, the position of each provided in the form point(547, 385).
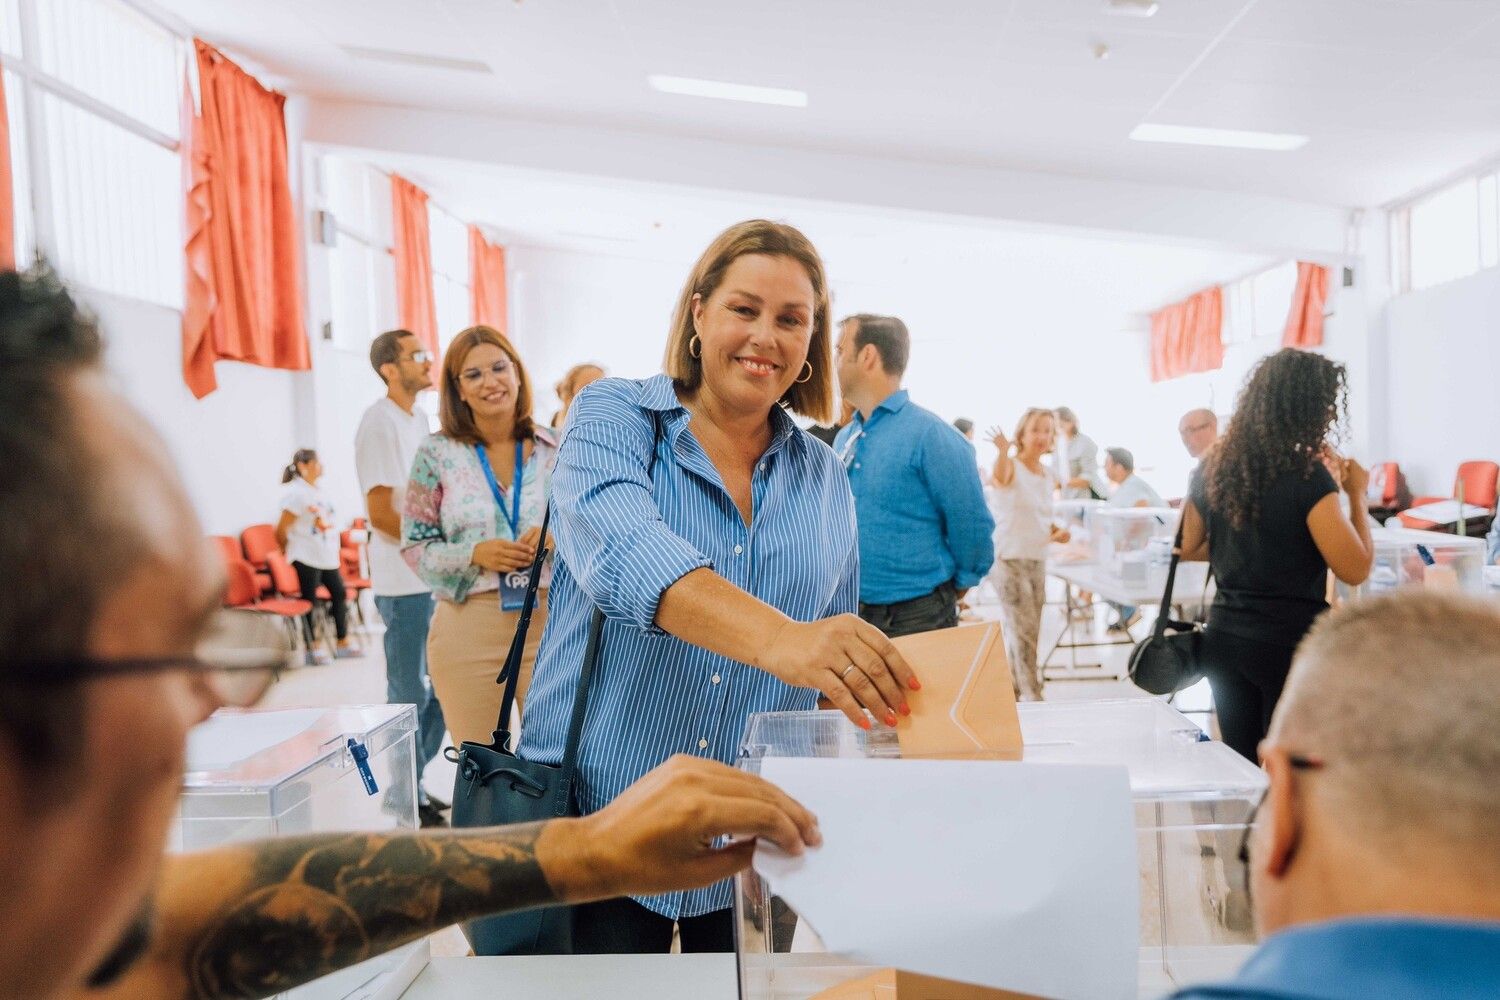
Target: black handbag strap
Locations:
point(564, 793)
point(510, 674)
point(1164, 611)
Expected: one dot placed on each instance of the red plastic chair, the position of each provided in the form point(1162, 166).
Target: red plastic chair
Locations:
point(228, 547)
point(259, 540)
point(286, 585)
point(1479, 483)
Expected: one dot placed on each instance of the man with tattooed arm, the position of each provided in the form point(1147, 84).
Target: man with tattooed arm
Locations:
point(113, 645)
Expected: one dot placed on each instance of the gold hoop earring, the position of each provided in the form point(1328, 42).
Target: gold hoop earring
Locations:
point(695, 339)
point(808, 376)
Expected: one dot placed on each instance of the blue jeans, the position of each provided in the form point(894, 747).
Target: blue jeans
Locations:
point(406, 619)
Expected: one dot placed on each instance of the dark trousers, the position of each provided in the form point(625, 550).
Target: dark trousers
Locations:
point(938, 609)
point(1247, 677)
point(625, 927)
point(310, 578)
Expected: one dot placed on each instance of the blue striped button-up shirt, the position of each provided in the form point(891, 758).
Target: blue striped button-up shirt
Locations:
point(636, 505)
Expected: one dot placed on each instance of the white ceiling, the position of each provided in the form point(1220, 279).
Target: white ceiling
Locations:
point(1394, 93)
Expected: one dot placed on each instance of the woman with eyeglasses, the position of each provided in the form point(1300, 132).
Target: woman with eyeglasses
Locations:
point(718, 540)
point(471, 523)
point(307, 534)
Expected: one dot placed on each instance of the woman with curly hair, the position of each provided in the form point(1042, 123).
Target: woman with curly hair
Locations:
point(1267, 516)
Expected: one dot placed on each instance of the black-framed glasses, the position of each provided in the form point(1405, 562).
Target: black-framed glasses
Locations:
point(1299, 762)
point(239, 657)
point(474, 376)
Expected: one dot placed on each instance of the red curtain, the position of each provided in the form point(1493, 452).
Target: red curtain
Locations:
point(415, 303)
point(1188, 336)
point(7, 192)
point(1304, 322)
point(487, 281)
point(244, 294)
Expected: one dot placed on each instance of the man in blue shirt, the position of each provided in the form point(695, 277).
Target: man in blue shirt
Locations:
point(1375, 858)
point(924, 528)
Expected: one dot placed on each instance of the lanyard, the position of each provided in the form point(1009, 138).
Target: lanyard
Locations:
point(513, 518)
point(846, 453)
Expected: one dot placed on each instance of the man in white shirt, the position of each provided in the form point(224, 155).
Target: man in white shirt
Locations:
point(388, 438)
point(1129, 490)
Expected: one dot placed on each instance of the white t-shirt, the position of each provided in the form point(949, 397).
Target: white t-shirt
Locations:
point(1023, 514)
point(1132, 491)
point(313, 538)
point(384, 446)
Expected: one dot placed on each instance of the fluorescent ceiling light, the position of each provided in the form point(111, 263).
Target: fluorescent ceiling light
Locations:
point(1131, 8)
point(1191, 136)
point(727, 91)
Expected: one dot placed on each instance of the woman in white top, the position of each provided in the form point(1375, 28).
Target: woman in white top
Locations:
point(1021, 501)
point(1081, 456)
point(307, 535)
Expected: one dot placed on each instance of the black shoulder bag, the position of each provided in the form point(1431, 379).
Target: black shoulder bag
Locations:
point(1167, 660)
point(495, 787)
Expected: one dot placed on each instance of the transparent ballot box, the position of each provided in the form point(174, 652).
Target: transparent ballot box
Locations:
point(1075, 516)
point(1134, 544)
point(1193, 799)
point(253, 775)
point(1408, 558)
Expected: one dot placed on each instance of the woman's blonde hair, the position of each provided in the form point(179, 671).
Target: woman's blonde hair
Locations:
point(455, 416)
point(813, 398)
point(1032, 413)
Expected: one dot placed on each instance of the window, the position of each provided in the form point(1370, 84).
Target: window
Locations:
point(93, 91)
point(363, 272)
point(450, 273)
point(1447, 234)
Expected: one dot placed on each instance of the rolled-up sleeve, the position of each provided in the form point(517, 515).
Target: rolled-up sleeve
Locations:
point(610, 532)
point(953, 481)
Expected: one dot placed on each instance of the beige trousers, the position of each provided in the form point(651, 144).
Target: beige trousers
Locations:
point(466, 647)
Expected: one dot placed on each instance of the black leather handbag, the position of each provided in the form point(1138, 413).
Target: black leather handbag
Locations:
point(495, 787)
point(1168, 659)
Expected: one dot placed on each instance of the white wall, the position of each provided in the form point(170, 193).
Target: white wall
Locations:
point(230, 446)
point(1442, 348)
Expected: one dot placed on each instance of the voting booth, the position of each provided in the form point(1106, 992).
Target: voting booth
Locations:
point(258, 774)
point(1190, 798)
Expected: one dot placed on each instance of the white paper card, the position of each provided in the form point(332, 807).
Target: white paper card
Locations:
point(1447, 511)
point(1011, 875)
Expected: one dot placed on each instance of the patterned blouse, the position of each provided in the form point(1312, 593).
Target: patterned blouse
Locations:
point(449, 509)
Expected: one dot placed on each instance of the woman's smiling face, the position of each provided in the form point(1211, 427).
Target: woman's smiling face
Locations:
point(755, 329)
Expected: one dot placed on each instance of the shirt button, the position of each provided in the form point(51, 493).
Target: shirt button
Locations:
point(738, 549)
point(703, 744)
point(856, 465)
point(716, 678)
point(761, 467)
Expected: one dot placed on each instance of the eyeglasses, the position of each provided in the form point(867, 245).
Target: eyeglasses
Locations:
point(474, 376)
point(419, 357)
point(1298, 763)
point(239, 657)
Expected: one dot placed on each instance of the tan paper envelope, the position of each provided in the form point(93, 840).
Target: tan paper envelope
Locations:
point(895, 984)
point(967, 705)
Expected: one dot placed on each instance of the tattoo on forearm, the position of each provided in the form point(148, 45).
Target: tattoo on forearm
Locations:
point(319, 904)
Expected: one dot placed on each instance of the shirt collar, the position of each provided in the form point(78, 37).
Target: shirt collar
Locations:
point(1338, 959)
point(893, 403)
point(658, 393)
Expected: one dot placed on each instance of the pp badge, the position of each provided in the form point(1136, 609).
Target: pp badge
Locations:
point(512, 591)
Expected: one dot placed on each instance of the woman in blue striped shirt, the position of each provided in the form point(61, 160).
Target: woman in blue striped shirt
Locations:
point(719, 541)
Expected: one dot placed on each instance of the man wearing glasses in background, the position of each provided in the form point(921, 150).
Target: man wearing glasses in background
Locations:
point(113, 645)
point(389, 434)
point(1374, 859)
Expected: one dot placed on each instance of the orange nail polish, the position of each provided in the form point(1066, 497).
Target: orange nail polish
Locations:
point(864, 723)
point(915, 684)
point(905, 708)
point(890, 719)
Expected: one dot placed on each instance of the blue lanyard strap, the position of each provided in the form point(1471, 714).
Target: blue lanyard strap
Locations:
point(517, 479)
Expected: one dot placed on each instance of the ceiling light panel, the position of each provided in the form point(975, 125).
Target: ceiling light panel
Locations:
point(1188, 135)
point(727, 91)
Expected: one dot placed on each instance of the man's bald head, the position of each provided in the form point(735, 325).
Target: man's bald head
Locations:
point(1199, 429)
point(1400, 697)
